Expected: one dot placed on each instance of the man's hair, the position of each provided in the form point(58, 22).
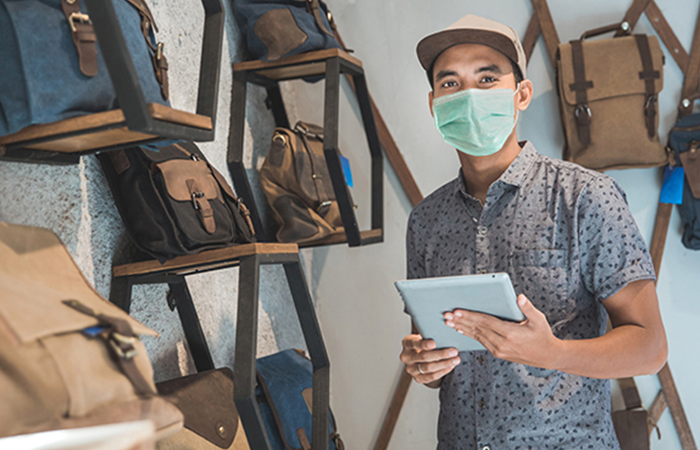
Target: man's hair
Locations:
point(516, 72)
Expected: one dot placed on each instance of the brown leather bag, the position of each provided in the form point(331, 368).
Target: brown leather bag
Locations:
point(68, 358)
point(211, 418)
point(297, 185)
point(608, 91)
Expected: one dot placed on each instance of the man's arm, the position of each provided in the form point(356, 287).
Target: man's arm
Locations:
point(635, 346)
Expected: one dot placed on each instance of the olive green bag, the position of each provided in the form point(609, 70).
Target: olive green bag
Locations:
point(298, 187)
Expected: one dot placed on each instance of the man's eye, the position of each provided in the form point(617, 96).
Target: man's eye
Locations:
point(449, 84)
point(488, 79)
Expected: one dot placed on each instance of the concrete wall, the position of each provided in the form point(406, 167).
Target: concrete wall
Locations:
point(359, 310)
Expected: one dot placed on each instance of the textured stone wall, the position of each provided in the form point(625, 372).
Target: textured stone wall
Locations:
point(75, 202)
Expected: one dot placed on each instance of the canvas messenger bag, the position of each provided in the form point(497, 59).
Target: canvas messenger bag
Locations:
point(608, 90)
point(68, 358)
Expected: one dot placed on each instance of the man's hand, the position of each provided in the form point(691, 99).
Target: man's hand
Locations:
point(425, 364)
point(529, 342)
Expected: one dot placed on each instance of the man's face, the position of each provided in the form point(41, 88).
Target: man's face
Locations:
point(471, 66)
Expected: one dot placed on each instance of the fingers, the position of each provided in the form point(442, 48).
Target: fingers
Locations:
point(417, 343)
point(429, 376)
point(425, 363)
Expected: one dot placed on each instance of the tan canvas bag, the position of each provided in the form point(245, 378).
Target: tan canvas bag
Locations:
point(53, 374)
point(608, 91)
point(298, 187)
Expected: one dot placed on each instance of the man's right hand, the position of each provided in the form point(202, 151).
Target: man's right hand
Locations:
point(425, 364)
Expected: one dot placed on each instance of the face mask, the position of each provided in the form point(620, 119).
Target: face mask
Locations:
point(476, 121)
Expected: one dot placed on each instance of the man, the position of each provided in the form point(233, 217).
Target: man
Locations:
point(566, 237)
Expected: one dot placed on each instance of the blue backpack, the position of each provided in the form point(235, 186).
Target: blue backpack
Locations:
point(43, 77)
point(274, 29)
point(284, 398)
point(684, 140)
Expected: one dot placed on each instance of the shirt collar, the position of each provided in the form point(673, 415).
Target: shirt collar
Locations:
point(515, 173)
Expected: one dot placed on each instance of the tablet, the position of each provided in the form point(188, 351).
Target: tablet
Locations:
point(427, 299)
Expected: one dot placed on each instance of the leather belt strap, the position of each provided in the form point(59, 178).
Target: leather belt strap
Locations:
point(160, 63)
point(648, 74)
point(83, 35)
point(121, 338)
point(314, 7)
point(202, 206)
point(580, 86)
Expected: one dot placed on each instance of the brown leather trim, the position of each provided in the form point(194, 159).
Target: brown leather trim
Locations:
point(580, 85)
point(301, 434)
point(120, 338)
point(648, 74)
point(202, 206)
point(119, 160)
point(316, 12)
point(83, 35)
point(275, 414)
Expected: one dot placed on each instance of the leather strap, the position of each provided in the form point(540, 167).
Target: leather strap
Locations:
point(692, 74)
point(549, 31)
point(83, 35)
point(202, 206)
point(160, 63)
point(634, 12)
point(121, 338)
point(630, 394)
point(648, 74)
point(303, 439)
point(580, 86)
point(606, 29)
point(314, 7)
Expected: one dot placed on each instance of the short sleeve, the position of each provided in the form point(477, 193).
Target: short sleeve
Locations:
point(415, 261)
point(611, 249)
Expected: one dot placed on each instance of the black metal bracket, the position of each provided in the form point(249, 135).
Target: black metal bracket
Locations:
point(335, 66)
point(128, 88)
point(246, 344)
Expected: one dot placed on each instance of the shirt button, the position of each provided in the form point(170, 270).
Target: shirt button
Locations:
point(481, 271)
point(482, 230)
point(480, 359)
point(486, 448)
point(482, 404)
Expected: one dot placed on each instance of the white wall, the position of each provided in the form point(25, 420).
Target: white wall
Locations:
point(360, 312)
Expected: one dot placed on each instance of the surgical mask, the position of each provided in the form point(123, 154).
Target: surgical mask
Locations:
point(476, 121)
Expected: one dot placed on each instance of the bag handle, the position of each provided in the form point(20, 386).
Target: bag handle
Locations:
point(622, 28)
point(314, 7)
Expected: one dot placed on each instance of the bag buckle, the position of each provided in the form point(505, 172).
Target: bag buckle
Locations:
point(195, 196)
point(650, 105)
point(159, 51)
point(578, 113)
point(79, 17)
point(123, 345)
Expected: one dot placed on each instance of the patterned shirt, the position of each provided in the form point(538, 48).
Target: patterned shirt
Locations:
point(567, 239)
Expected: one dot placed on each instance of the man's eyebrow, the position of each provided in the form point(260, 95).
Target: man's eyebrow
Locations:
point(444, 73)
point(492, 68)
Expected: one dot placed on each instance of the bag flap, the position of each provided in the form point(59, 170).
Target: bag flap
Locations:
point(176, 172)
point(36, 274)
point(613, 65)
point(206, 401)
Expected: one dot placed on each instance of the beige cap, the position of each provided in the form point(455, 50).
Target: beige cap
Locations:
point(472, 29)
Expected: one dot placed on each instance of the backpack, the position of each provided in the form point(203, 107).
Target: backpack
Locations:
point(298, 187)
point(684, 141)
point(173, 202)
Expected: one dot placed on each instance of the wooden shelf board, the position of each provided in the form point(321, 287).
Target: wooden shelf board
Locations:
point(340, 238)
point(219, 257)
point(301, 65)
point(86, 137)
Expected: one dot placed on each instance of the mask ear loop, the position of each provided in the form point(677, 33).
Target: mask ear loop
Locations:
point(517, 111)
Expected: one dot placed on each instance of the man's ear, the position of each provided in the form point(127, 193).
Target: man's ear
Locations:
point(430, 102)
point(524, 95)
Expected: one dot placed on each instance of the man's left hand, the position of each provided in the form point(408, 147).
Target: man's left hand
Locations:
point(529, 342)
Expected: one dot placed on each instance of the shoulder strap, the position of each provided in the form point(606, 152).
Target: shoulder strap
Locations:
point(692, 75)
point(83, 35)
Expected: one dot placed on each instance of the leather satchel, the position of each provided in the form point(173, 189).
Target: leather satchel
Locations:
point(608, 91)
point(68, 358)
point(274, 29)
point(173, 202)
point(56, 38)
point(211, 418)
point(285, 398)
point(684, 142)
point(298, 187)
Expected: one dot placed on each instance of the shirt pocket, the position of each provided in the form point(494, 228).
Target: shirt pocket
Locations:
point(542, 276)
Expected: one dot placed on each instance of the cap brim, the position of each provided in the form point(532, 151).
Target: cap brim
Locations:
point(430, 47)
